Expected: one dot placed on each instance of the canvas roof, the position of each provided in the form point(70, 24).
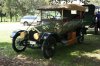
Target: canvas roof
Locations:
point(65, 7)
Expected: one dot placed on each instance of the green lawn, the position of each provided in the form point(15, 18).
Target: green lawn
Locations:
point(86, 54)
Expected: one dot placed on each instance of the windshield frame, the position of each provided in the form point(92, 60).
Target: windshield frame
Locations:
point(56, 17)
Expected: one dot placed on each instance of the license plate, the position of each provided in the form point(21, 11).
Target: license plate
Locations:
point(32, 42)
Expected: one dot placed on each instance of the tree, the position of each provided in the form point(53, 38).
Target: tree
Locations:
point(96, 2)
point(29, 6)
point(23, 7)
point(1, 9)
point(20, 7)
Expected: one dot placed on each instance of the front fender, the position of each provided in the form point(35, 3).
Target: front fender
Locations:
point(44, 36)
point(14, 33)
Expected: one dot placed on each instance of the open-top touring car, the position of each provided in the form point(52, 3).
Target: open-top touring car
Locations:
point(59, 23)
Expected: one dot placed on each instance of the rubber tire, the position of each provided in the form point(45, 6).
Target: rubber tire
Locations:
point(14, 46)
point(80, 38)
point(48, 52)
point(96, 30)
point(25, 23)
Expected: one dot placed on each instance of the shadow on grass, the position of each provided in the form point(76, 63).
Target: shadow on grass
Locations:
point(70, 53)
point(67, 55)
point(64, 55)
point(6, 49)
point(85, 61)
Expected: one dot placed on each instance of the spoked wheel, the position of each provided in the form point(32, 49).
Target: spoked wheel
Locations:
point(48, 47)
point(18, 44)
point(80, 38)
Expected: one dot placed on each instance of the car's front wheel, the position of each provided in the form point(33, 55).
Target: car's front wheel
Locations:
point(18, 44)
point(48, 47)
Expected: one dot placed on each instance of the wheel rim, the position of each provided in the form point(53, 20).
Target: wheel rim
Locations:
point(19, 43)
point(49, 47)
point(49, 52)
point(51, 43)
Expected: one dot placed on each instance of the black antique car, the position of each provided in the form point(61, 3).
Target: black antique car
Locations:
point(90, 17)
point(59, 24)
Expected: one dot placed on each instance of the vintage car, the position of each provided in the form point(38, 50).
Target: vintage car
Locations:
point(59, 24)
point(97, 23)
point(90, 17)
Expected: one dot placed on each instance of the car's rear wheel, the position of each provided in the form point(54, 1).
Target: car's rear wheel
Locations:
point(25, 23)
point(80, 38)
point(96, 29)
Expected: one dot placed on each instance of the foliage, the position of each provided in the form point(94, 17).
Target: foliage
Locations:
point(20, 7)
point(96, 2)
point(25, 7)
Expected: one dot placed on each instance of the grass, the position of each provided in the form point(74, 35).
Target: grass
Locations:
point(86, 54)
point(5, 36)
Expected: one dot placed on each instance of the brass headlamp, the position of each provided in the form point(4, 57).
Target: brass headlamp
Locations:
point(22, 34)
point(36, 36)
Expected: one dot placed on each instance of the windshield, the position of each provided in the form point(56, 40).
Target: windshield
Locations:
point(51, 15)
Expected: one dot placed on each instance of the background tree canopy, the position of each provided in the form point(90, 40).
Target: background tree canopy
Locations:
point(20, 7)
point(24, 7)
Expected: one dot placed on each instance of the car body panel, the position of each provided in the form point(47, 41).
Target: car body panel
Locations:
point(30, 19)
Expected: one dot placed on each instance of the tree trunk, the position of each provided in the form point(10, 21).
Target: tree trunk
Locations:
point(1, 18)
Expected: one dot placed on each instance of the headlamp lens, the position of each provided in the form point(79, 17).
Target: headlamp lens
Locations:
point(36, 36)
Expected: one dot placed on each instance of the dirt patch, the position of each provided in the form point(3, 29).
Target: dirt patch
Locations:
point(5, 61)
